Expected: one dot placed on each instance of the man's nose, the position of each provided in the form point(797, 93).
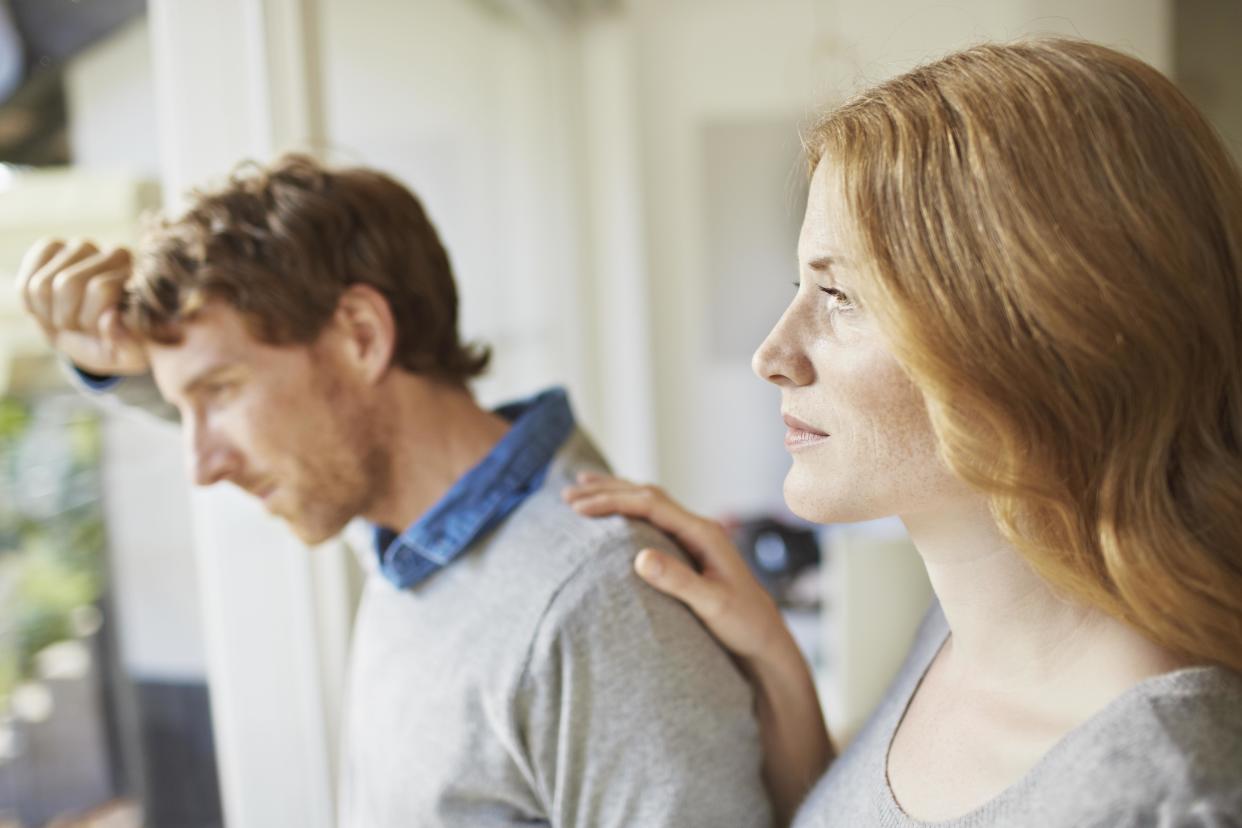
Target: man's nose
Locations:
point(212, 458)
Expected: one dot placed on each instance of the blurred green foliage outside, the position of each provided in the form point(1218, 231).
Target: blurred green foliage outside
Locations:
point(51, 527)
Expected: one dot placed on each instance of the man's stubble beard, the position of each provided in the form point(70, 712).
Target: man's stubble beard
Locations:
point(355, 475)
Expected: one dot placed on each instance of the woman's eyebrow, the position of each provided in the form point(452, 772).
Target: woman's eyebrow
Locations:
point(822, 263)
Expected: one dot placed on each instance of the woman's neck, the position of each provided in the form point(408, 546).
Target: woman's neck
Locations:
point(1010, 629)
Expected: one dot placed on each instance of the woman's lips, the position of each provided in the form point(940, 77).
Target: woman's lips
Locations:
point(801, 435)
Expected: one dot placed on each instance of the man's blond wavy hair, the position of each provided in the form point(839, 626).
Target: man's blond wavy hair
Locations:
point(1051, 237)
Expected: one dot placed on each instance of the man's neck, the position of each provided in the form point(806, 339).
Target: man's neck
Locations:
point(1010, 630)
point(437, 433)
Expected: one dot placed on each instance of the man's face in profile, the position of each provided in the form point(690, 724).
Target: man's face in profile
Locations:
point(282, 422)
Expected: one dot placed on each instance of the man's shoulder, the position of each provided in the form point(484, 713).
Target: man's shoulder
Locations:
point(591, 568)
point(568, 569)
point(578, 571)
point(549, 538)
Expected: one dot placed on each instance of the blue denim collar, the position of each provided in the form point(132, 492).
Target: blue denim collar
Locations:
point(484, 496)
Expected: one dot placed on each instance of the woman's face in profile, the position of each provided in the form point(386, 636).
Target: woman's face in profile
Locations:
point(858, 430)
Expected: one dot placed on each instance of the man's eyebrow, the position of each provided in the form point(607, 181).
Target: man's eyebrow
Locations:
point(206, 376)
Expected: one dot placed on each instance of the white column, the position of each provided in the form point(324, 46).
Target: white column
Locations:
point(617, 329)
point(238, 79)
point(579, 309)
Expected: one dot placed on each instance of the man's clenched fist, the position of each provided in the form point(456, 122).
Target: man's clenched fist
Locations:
point(72, 289)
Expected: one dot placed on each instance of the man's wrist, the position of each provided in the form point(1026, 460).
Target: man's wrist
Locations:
point(93, 381)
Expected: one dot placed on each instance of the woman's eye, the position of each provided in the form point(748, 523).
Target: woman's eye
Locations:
point(840, 300)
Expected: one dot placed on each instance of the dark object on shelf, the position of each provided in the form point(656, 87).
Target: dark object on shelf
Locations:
point(53, 31)
point(777, 553)
point(37, 39)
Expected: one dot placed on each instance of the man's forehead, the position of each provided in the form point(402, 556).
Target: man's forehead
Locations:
point(176, 367)
point(213, 338)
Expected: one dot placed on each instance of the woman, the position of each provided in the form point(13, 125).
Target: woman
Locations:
point(1019, 328)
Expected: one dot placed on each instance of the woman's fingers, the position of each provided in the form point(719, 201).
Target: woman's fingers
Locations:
point(591, 485)
point(735, 609)
point(591, 477)
point(592, 482)
point(722, 593)
point(674, 578)
point(703, 539)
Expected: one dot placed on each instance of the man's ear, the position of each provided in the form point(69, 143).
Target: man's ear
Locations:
point(364, 321)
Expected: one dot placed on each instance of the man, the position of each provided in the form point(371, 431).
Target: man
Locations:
point(507, 666)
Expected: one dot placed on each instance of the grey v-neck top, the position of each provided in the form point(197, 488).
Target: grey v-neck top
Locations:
point(1167, 752)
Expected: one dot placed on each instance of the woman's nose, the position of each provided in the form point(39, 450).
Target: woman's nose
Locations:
point(781, 359)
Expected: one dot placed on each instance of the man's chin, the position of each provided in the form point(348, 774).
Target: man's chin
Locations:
point(314, 535)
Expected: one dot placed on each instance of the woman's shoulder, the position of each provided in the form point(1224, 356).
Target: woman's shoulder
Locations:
point(1170, 749)
point(1168, 752)
point(1188, 721)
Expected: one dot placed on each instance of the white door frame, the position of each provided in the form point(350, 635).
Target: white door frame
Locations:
point(238, 79)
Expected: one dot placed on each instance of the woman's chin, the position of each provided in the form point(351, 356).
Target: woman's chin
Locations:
point(823, 502)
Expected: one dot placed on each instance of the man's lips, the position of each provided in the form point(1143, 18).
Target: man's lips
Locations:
point(800, 433)
point(261, 490)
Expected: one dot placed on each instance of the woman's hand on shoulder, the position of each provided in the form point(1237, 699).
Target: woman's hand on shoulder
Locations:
point(731, 603)
point(719, 588)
